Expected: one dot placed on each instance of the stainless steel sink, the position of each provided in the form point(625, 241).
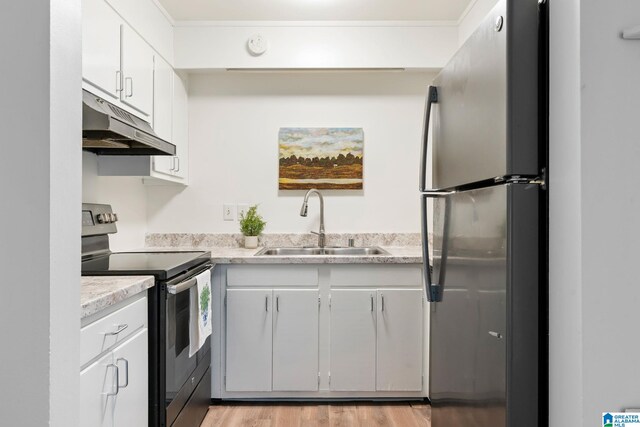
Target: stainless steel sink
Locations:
point(328, 251)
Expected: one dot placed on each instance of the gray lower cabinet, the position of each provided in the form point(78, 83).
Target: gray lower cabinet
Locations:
point(295, 340)
point(249, 339)
point(322, 331)
point(272, 340)
point(353, 340)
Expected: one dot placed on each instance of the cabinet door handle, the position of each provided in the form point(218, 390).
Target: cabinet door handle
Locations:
point(128, 86)
point(118, 81)
point(126, 370)
point(266, 303)
point(371, 302)
point(120, 329)
point(278, 304)
point(178, 163)
point(382, 298)
point(495, 334)
point(111, 365)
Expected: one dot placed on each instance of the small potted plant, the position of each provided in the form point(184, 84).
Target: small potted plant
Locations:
point(251, 225)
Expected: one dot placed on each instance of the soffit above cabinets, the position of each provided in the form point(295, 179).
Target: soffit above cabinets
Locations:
point(316, 10)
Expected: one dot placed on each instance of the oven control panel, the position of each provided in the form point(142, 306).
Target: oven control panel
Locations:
point(98, 219)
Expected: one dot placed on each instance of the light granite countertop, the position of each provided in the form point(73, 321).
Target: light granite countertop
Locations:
point(100, 292)
point(402, 248)
point(224, 255)
point(397, 255)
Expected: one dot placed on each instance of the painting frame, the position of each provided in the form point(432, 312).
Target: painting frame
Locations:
point(325, 158)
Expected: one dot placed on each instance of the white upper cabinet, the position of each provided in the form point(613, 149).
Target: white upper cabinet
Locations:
point(137, 72)
point(163, 112)
point(180, 135)
point(101, 28)
point(162, 98)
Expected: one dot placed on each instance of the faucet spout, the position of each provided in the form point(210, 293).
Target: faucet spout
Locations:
point(304, 209)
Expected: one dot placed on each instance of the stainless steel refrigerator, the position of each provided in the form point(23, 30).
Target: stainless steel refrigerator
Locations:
point(486, 271)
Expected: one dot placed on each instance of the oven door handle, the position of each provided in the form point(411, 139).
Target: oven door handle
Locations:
point(188, 283)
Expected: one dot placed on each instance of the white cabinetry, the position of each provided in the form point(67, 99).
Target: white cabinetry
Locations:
point(158, 170)
point(131, 358)
point(137, 72)
point(163, 111)
point(295, 340)
point(122, 67)
point(101, 27)
point(97, 393)
point(180, 134)
point(172, 168)
point(116, 62)
point(114, 376)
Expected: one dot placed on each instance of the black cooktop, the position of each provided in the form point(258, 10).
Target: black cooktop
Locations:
point(162, 265)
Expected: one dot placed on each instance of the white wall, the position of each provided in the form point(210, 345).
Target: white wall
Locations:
point(40, 215)
point(415, 45)
point(594, 316)
point(610, 155)
point(234, 120)
point(565, 222)
point(127, 196)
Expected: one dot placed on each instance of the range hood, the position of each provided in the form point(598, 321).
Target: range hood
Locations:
point(109, 131)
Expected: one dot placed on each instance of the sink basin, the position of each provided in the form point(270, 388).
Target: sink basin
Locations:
point(328, 251)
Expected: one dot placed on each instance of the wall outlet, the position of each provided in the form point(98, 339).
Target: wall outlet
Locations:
point(242, 209)
point(228, 212)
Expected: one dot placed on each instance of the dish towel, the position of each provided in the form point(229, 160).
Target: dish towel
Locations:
point(200, 312)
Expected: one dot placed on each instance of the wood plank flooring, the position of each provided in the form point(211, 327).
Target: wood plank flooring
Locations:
point(351, 414)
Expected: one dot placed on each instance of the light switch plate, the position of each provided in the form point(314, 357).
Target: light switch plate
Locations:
point(242, 209)
point(228, 211)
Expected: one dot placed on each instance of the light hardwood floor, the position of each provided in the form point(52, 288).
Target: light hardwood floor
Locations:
point(352, 414)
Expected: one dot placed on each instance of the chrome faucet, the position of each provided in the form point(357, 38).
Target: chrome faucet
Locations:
point(303, 212)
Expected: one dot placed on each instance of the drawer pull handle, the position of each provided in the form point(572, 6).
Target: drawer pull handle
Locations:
point(126, 370)
point(111, 365)
point(120, 329)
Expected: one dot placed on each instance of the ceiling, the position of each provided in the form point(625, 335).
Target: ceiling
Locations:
point(315, 10)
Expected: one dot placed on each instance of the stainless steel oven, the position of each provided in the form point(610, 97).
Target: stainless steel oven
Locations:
point(187, 380)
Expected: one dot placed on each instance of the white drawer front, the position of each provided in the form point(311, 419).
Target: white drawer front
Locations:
point(102, 334)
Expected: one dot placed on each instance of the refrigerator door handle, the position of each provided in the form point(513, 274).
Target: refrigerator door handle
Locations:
point(434, 290)
point(432, 98)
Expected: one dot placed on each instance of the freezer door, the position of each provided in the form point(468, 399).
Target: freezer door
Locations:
point(491, 272)
point(485, 121)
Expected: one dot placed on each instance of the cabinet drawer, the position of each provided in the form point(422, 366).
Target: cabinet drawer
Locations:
point(376, 275)
point(101, 335)
point(272, 276)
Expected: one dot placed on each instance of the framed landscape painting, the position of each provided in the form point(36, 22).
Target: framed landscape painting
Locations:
point(323, 158)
